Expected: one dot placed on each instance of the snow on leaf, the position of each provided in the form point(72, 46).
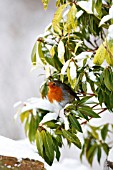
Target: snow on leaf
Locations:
point(48, 117)
point(86, 5)
point(110, 32)
point(104, 19)
point(73, 73)
point(79, 13)
point(83, 55)
point(111, 11)
point(64, 68)
point(78, 45)
point(61, 51)
point(90, 62)
point(35, 103)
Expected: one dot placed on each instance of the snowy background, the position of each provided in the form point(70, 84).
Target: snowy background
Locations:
point(21, 21)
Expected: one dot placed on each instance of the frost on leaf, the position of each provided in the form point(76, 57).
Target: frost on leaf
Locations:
point(61, 51)
point(72, 74)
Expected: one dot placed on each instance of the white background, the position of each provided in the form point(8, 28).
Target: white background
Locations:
point(21, 21)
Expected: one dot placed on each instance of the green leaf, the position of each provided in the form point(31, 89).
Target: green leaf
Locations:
point(24, 115)
point(56, 148)
point(98, 6)
point(106, 148)
point(88, 111)
point(84, 99)
point(104, 131)
point(81, 114)
point(107, 79)
point(26, 127)
point(32, 129)
point(99, 152)
point(75, 123)
point(39, 143)
point(72, 138)
point(49, 147)
point(34, 53)
point(40, 52)
point(44, 90)
point(51, 124)
point(84, 87)
point(82, 152)
point(100, 96)
point(109, 52)
point(91, 153)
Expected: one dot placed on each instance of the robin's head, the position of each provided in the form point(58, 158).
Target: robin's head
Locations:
point(53, 84)
point(55, 91)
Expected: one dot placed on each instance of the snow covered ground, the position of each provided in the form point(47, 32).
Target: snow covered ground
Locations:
point(69, 159)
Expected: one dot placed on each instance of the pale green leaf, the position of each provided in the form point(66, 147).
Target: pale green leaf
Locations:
point(57, 18)
point(45, 3)
point(100, 55)
point(70, 23)
point(34, 53)
point(40, 52)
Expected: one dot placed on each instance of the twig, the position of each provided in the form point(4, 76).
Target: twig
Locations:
point(90, 94)
point(95, 105)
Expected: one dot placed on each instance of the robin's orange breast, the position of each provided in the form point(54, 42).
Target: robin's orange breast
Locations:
point(55, 94)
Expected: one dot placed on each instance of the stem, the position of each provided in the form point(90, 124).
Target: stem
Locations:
point(85, 122)
point(90, 94)
point(95, 105)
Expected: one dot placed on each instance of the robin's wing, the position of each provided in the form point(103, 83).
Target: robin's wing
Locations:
point(70, 91)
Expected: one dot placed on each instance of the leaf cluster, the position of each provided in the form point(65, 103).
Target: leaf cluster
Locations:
point(96, 141)
point(73, 49)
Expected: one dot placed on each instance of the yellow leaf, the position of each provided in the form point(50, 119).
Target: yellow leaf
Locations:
point(109, 52)
point(57, 18)
point(71, 23)
point(45, 3)
point(52, 52)
point(100, 55)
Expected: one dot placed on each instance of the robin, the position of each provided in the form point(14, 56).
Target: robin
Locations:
point(61, 93)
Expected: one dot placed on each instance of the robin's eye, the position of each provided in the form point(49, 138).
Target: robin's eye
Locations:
point(54, 84)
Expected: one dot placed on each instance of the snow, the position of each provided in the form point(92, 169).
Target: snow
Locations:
point(19, 149)
point(110, 32)
point(107, 17)
point(33, 103)
point(69, 164)
point(69, 155)
point(110, 156)
point(65, 66)
point(61, 51)
point(49, 117)
point(86, 5)
point(73, 72)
